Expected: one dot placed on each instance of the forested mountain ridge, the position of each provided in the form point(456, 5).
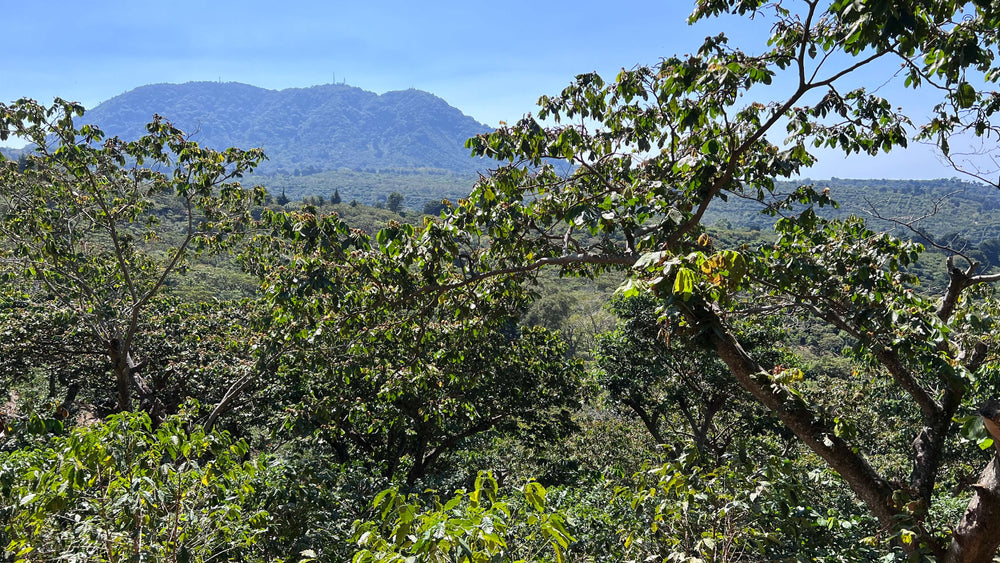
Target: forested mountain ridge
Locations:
point(941, 209)
point(307, 130)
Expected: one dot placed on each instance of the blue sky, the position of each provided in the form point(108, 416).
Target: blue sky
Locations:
point(492, 60)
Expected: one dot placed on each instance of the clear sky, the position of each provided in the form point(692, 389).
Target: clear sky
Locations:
point(491, 60)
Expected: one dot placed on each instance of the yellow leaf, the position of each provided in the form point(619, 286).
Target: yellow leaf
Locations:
point(907, 536)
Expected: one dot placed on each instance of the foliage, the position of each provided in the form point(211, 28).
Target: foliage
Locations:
point(418, 186)
point(38, 341)
point(394, 202)
point(358, 216)
point(470, 527)
point(208, 351)
point(929, 206)
point(575, 306)
point(404, 413)
point(434, 208)
point(71, 219)
point(771, 510)
point(649, 152)
point(393, 350)
point(282, 199)
point(201, 350)
point(120, 490)
point(312, 504)
point(681, 392)
point(393, 382)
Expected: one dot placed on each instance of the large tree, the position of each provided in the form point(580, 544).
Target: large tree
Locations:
point(389, 381)
point(77, 221)
point(650, 151)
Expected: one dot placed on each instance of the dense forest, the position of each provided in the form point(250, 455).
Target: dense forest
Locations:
point(596, 351)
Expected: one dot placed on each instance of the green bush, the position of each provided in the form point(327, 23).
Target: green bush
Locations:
point(124, 490)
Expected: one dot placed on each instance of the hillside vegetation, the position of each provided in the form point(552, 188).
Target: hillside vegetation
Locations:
point(418, 186)
point(945, 208)
point(305, 130)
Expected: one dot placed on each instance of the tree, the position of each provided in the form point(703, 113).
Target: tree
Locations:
point(39, 345)
point(683, 393)
point(282, 199)
point(335, 198)
point(407, 416)
point(394, 202)
point(650, 151)
point(393, 383)
point(71, 222)
point(432, 207)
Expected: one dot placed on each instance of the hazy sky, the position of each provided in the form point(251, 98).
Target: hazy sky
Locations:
point(491, 60)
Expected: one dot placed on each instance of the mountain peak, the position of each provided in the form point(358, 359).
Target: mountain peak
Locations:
point(323, 127)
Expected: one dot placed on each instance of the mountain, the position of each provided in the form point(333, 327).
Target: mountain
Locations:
point(326, 127)
point(10, 153)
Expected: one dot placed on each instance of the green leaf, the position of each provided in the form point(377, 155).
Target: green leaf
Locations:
point(684, 283)
point(650, 259)
point(965, 95)
point(534, 492)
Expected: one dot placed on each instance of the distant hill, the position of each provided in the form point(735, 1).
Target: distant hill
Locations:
point(10, 153)
point(950, 211)
point(308, 130)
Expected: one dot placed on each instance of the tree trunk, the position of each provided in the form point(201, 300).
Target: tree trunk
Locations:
point(71, 392)
point(126, 374)
point(870, 487)
point(648, 421)
point(226, 403)
point(977, 536)
point(123, 379)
